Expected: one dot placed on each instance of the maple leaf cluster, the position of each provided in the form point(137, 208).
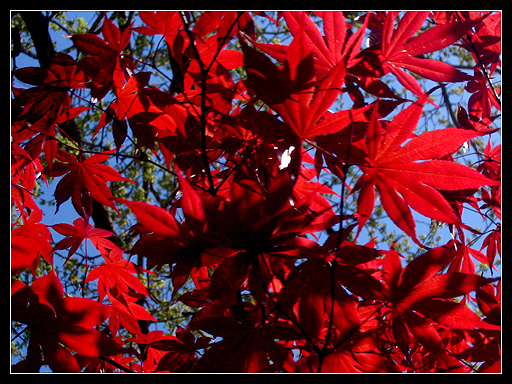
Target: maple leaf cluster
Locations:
point(242, 240)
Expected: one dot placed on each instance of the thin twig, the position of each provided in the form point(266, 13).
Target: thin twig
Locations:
point(468, 40)
point(204, 76)
point(116, 364)
point(334, 263)
point(202, 117)
point(280, 308)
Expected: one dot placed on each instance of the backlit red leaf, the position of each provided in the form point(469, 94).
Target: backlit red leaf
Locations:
point(78, 232)
point(447, 285)
point(155, 219)
point(89, 342)
point(403, 182)
point(399, 50)
point(86, 181)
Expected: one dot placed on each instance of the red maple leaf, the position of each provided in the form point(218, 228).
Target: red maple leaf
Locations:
point(315, 305)
point(85, 181)
point(361, 355)
point(59, 325)
point(167, 23)
point(398, 50)
point(293, 90)
point(78, 232)
point(118, 280)
point(134, 104)
point(48, 98)
point(406, 177)
point(46, 103)
point(117, 275)
point(30, 241)
point(420, 291)
point(165, 240)
point(329, 49)
point(105, 63)
point(230, 232)
point(253, 346)
point(167, 353)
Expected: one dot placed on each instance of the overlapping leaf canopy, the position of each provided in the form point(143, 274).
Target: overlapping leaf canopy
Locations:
point(256, 244)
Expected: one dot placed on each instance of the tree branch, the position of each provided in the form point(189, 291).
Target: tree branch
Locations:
point(448, 105)
point(37, 25)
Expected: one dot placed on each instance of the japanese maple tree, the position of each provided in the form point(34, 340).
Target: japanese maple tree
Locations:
point(246, 177)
